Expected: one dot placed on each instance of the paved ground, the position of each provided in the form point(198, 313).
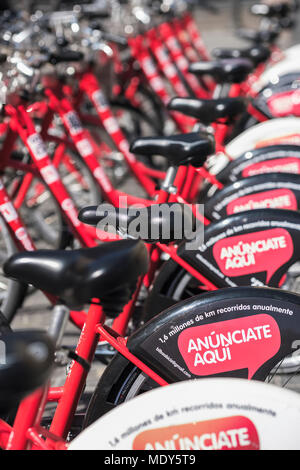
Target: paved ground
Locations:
point(217, 30)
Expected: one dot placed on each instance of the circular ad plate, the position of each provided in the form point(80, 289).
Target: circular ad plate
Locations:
point(202, 414)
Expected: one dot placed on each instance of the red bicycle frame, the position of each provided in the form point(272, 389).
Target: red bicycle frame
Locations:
point(21, 125)
point(85, 145)
point(27, 432)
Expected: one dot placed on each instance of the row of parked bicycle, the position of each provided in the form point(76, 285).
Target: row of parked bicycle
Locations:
point(195, 273)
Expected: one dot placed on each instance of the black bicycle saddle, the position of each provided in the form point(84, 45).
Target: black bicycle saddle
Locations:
point(209, 111)
point(224, 71)
point(164, 223)
point(259, 37)
point(182, 149)
point(257, 54)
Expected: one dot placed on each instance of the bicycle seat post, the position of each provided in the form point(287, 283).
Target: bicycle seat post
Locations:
point(168, 183)
point(58, 323)
point(221, 91)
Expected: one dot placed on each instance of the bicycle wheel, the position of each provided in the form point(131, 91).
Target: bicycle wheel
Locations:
point(79, 180)
point(42, 213)
point(47, 217)
point(151, 107)
point(39, 209)
point(137, 122)
point(134, 123)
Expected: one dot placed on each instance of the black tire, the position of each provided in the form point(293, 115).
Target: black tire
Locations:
point(92, 194)
point(58, 236)
point(152, 108)
point(171, 285)
point(144, 122)
point(43, 216)
point(134, 123)
point(245, 122)
point(141, 123)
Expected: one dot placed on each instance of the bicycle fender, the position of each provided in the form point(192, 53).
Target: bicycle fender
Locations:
point(212, 335)
point(270, 159)
point(249, 248)
point(275, 190)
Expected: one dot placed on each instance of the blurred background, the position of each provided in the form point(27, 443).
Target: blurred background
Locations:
point(218, 18)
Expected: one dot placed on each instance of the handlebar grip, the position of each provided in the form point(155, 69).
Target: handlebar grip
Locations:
point(65, 56)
